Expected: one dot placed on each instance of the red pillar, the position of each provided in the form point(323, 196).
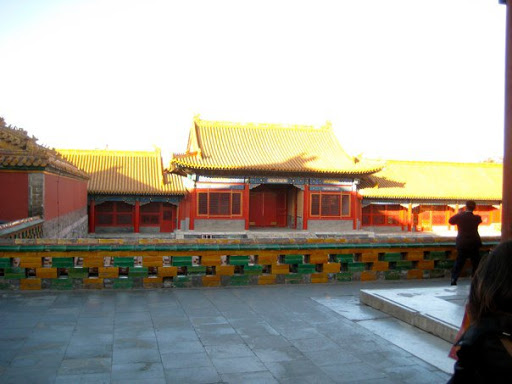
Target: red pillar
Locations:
point(136, 222)
point(246, 206)
point(193, 208)
point(305, 213)
point(506, 217)
point(354, 202)
point(92, 217)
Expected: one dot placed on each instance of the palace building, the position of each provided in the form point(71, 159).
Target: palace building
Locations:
point(38, 188)
point(421, 196)
point(242, 176)
point(129, 191)
point(235, 177)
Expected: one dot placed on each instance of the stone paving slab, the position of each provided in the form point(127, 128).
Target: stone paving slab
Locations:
point(272, 334)
point(437, 310)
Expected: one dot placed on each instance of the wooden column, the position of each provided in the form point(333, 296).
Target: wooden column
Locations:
point(136, 221)
point(305, 213)
point(193, 208)
point(245, 205)
point(410, 221)
point(506, 217)
point(92, 217)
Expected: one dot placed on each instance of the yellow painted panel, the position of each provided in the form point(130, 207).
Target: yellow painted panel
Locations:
point(426, 264)
point(93, 283)
point(369, 257)
point(108, 272)
point(225, 270)
point(414, 255)
point(318, 259)
point(415, 274)
point(211, 281)
point(210, 260)
point(152, 261)
point(167, 271)
point(152, 282)
point(93, 261)
point(46, 273)
point(267, 259)
point(267, 280)
point(280, 269)
point(380, 266)
point(319, 278)
point(30, 262)
point(30, 284)
point(368, 275)
point(331, 267)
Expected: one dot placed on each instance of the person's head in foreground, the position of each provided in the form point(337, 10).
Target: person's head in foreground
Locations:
point(491, 287)
point(485, 349)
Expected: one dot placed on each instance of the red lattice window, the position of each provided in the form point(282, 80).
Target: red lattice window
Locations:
point(330, 205)
point(114, 213)
point(150, 214)
point(219, 203)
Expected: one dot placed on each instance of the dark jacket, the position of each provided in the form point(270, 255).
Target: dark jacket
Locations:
point(482, 358)
point(467, 225)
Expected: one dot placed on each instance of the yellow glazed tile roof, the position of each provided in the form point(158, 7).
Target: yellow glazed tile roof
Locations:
point(125, 172)
point(19, 151)
point(435, 180)
point(224, 147)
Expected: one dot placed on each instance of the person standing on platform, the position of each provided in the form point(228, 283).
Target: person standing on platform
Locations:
point(468, 240)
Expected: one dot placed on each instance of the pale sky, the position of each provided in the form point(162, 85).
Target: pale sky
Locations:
point(398, 79)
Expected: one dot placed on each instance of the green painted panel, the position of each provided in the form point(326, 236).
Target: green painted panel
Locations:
point(181, 281)
point(63, 284)
point(293, 279)
point(253, 269)
point(293, 259)
point(138, 272)
point(403, 264)
point(391, 256)
point(344, 276)
point(445, 264)
point(306, 268)
point(4, 285)
point(392, 275)
point(356, 267)
point(436, 273)
point(196, 270)
point(5, 262)
point(123, 261)
point(122, 283)
point(436, 255)
point(181, 261)
point(348, 258)
point(238, 260)
point(14, 273)
point(62, 262)
point(239, 280)
point(78, 273)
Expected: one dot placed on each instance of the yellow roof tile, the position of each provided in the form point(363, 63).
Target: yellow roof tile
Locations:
point(125, 172)
point(435, 180)
point(237, 148)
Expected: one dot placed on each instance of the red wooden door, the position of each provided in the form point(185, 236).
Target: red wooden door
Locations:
point(256, 209)
point(281, 208)
point(166, 224)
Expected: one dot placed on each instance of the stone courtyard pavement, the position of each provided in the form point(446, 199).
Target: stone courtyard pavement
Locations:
point(254, 334)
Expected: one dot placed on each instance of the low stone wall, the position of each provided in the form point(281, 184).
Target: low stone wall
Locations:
point(219, 225)
point(71, 226)
point(164, 263)
point(330, 225)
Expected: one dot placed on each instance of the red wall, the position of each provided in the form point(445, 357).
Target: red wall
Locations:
point(63, 195)
point(13, 195)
